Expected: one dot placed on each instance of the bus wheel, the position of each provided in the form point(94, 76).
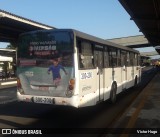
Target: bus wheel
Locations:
point(113, 93)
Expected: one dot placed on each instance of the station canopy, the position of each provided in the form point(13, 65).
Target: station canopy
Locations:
point(146, 15)
point(7, 52)
point(11, 26)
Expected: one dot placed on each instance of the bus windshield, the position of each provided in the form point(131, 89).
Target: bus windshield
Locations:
point(45, 62)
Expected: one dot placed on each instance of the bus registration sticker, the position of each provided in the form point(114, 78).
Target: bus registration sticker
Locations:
point(85, 75)
point(43, 100)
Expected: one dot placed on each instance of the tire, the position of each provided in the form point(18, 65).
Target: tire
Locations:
point(113, 93)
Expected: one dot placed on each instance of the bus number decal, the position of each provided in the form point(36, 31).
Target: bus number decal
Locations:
point(86, 75)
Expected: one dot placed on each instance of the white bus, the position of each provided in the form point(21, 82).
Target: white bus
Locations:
point(68, 67)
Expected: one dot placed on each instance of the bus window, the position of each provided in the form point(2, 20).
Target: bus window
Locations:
point(98, 56)
point(113, 57)
point(123, 58)
point(100, 62)
point(138, 60)
point(106, 58)
point(135, 60)
point(110, 57)
point(118, 58)
point(132, 59)
point(128, 59)
point(95, 59)
point(85, 54)
point(45, 64)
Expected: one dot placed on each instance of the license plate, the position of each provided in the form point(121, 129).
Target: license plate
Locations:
point(44, 88)
point(43, 100)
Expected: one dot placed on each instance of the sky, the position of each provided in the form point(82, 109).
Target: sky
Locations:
point(105, 19)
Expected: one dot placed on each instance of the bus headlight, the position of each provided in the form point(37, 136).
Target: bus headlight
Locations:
point(70, 89)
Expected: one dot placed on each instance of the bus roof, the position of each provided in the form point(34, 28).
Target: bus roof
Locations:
point(87, 37)
point(102, 41)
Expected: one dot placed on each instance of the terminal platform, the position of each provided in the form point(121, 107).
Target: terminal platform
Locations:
point(142, 118)
point(10, 82)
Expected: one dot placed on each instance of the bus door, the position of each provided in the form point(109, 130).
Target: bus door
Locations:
point(100, 73)
point(132, 56)
point(124, 69)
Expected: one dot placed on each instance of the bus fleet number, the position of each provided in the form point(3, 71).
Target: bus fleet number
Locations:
point(86, 75)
